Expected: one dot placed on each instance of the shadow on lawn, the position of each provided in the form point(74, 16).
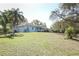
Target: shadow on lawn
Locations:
point(12, 37)
point(75, 39)
point(19, 35)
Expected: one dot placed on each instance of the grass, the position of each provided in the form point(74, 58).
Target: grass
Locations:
point(38, 44)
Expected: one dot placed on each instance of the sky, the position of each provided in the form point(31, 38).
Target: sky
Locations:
point(31, 11)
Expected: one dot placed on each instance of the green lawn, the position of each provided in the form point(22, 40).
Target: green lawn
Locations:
point(38, 44)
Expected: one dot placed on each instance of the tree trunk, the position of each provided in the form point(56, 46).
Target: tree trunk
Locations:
point(12, 27)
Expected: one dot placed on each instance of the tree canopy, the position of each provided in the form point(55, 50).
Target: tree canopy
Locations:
point(37, 22)
point(69, 13)
point(11, 18)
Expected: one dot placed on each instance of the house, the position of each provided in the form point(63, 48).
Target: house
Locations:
point(28, 27)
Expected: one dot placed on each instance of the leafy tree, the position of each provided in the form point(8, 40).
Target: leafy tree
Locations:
point(44, 25)
point(66, 10)
point(58, 26)
point(69, 12)
point(70, 32)
point(3, 21)
point(36, 22)
point(15, 17)
point(11, 17)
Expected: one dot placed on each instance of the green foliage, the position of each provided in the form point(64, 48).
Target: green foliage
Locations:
point(70, 32)
point(58, 26)
point(10, 18)
point(69, 6)
point(69, 13)
point(38, 23)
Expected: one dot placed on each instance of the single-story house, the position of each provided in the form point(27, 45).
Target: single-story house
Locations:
point(28, 27)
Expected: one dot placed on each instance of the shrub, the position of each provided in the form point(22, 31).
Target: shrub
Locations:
point(70, 32)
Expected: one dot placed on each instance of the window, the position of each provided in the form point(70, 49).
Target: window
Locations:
point(32, 28)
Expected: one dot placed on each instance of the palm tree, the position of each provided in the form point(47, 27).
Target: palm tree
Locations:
point(3, 22)
point(15, 18)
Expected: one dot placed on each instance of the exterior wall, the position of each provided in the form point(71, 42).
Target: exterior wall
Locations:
point(32, 29)
point(20, 29)
point(28, 29)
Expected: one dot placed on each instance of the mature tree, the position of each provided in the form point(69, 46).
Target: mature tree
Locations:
point(69, 12)
point(25, 20)
point(58, 26)
point(69, 6)
point(12, 17)
point(66, 10)
point(36, 22)
point(72, 9)
point(44, 24)
point(3, 21)
point(15, 17)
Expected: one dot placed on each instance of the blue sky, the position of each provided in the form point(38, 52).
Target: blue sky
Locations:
point(40, 11)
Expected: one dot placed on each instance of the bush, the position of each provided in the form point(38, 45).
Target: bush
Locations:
point(70, 32)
